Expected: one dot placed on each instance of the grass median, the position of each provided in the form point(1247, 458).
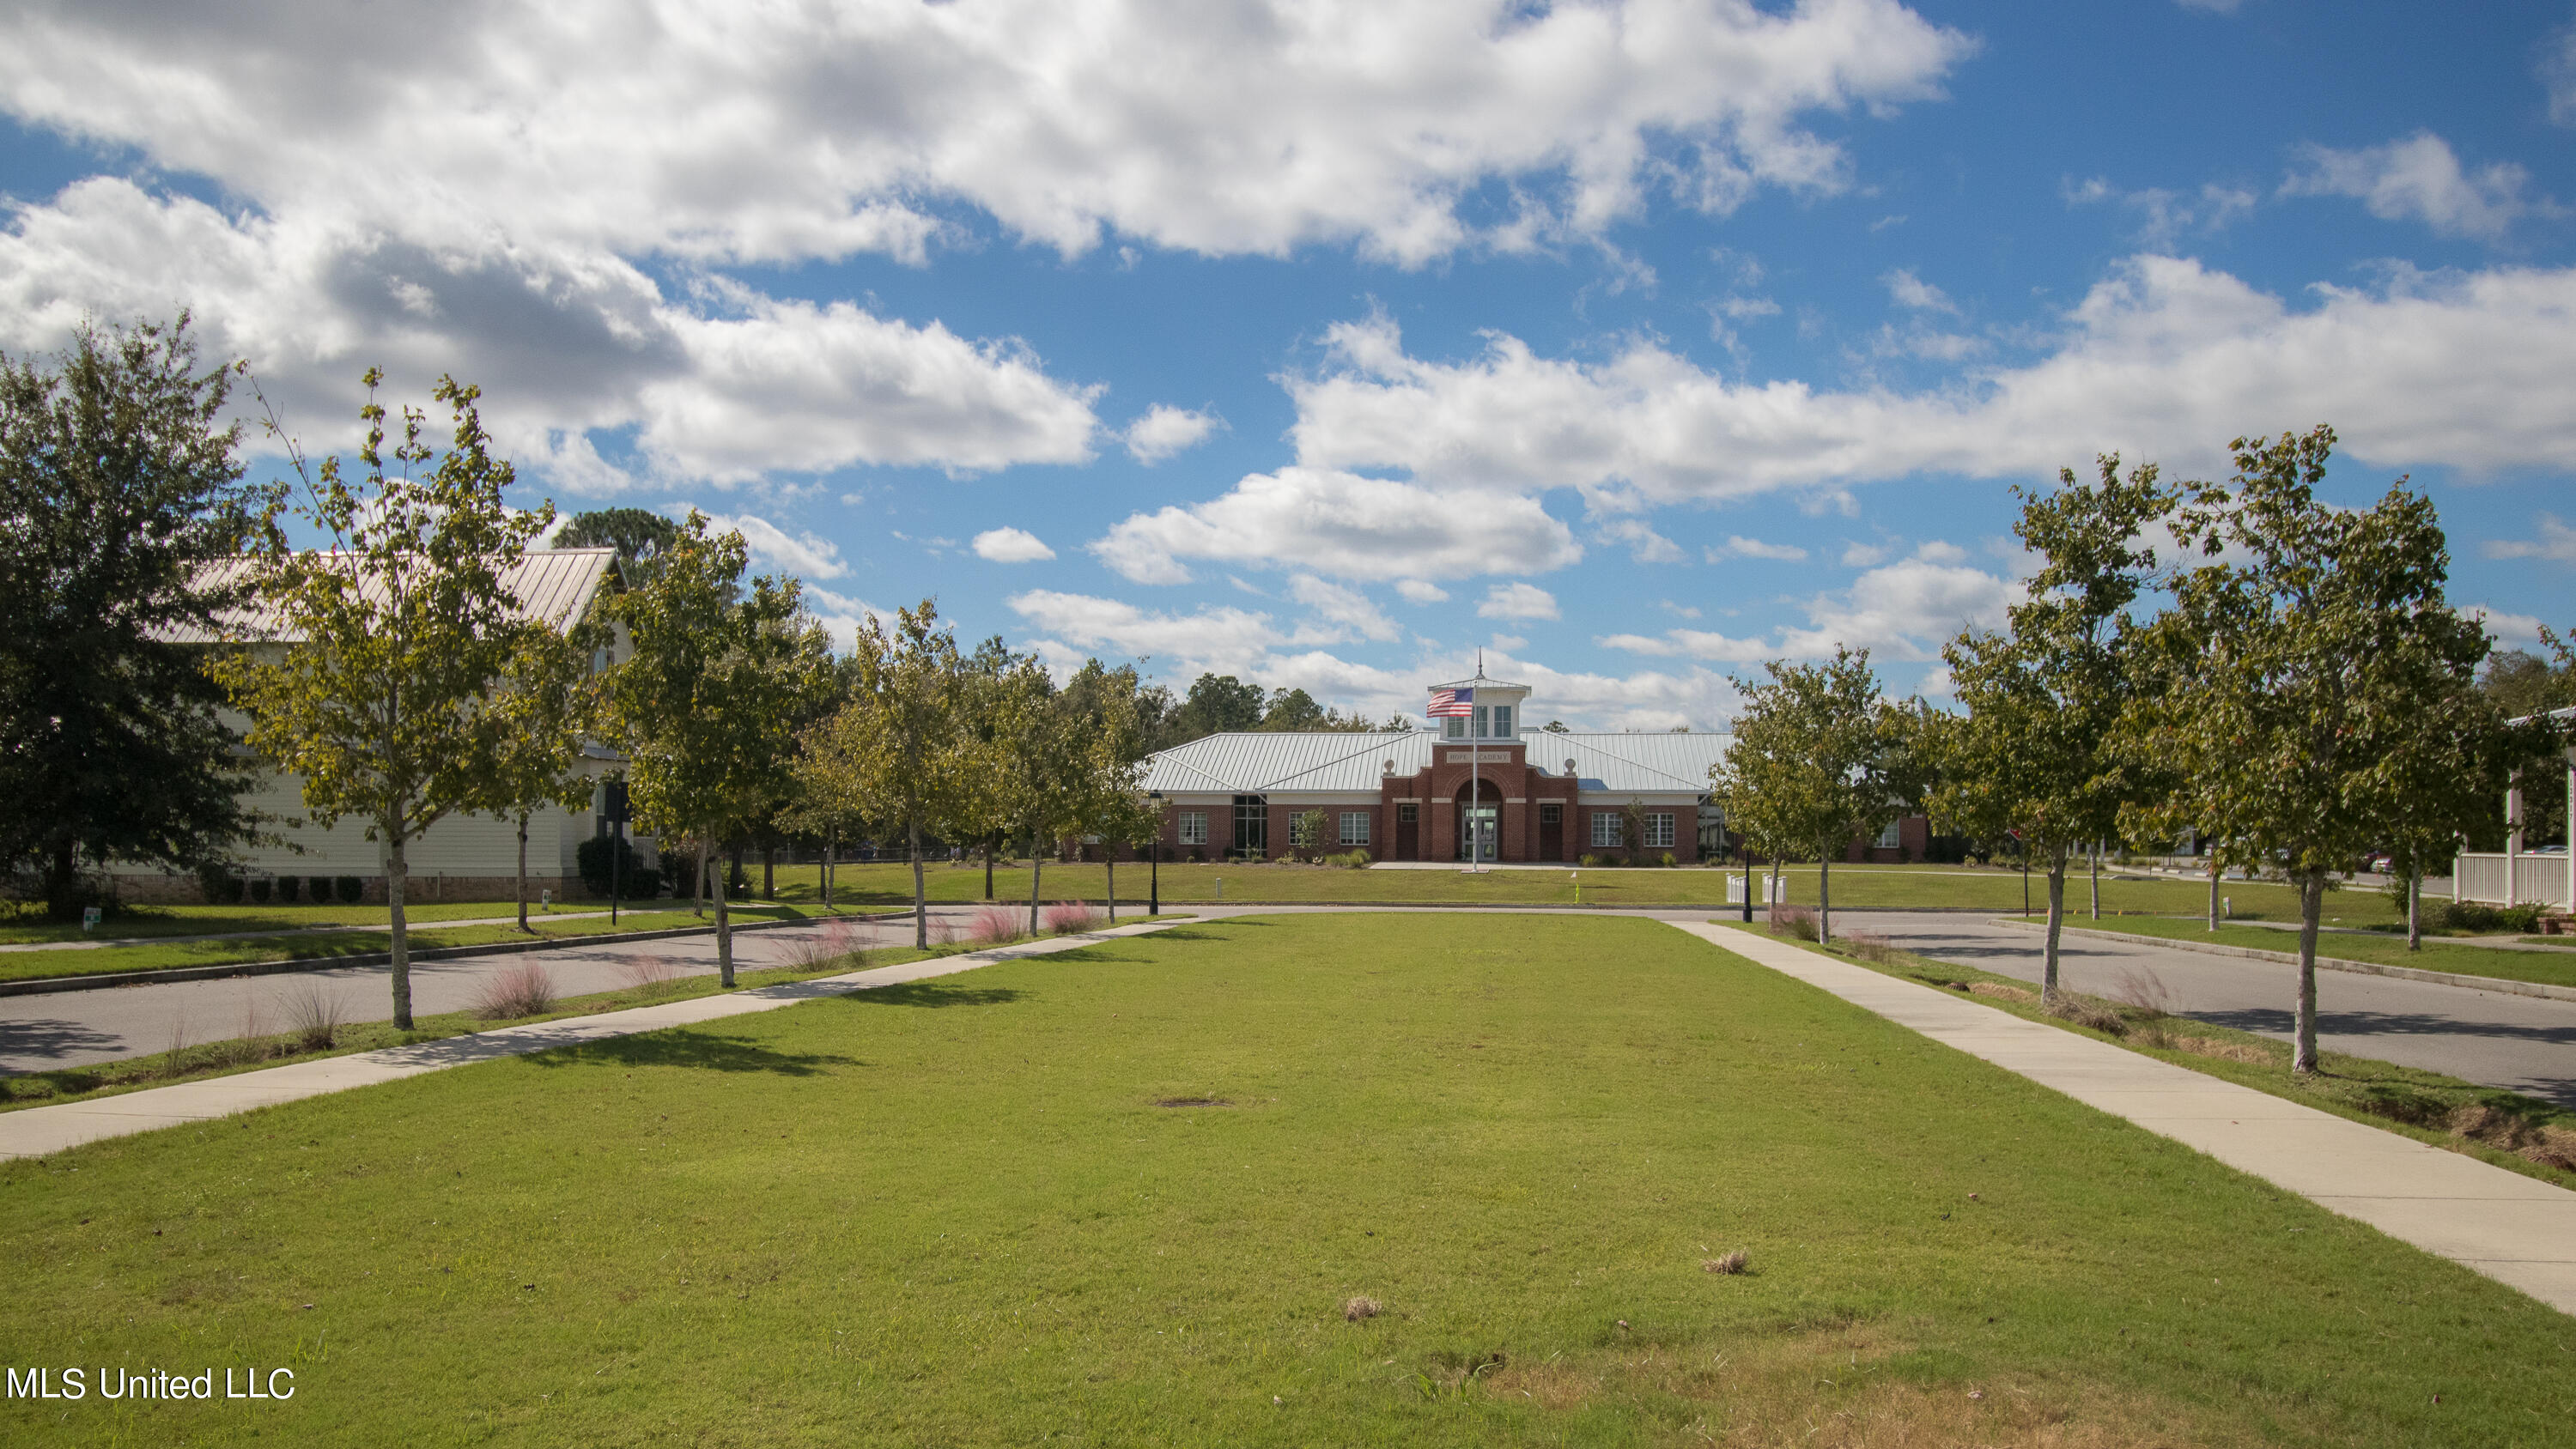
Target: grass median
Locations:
point(1314, 1180)
point(2525, 1134)
point(2440, 953)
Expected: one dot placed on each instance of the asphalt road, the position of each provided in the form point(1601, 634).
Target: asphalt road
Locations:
point(2520, 1043)
point(76, 1028)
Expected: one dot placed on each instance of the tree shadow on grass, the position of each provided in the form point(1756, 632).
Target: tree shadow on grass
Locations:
point(696, 1050)
point(933, 993)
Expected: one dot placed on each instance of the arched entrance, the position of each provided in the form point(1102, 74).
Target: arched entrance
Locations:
point(1480, 822)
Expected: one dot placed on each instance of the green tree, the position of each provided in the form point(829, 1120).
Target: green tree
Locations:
point(1045, 759)
point(1218, 703)
point(546, 703)
point(640, 538)
point(2308, 652)
point(708, 705)
point(1111, 709)
point(118, 488)
point(896, 753)
point(394, 638)
point(2040, 753)
point(1819, 759)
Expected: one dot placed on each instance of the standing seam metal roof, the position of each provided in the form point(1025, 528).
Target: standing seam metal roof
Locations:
point(1253, 763)
point(555, 585)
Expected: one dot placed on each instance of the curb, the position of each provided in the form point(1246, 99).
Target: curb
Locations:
point(2324, 963)
point(48, 985)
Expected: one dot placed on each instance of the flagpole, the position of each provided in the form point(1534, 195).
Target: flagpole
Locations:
point(1476, 780)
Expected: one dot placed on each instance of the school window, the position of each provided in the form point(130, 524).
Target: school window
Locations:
point(1605, 829)
point(1407, 814)
point(1502, 721)
point(1551, 814)
point(1888, 838)
point(1193, 827)
point(1455, 727)
point(1355, 827)
point(1659, 830)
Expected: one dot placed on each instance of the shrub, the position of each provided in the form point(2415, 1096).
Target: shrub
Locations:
point(1798, 921)
point(314, 1016)
point(260, 891)
point(2086, 1012)
point(1065, 916)
point(2472, 916)
point(220, 884)
point(1668, 859)
point(650, 975)
point(285, 889)
point(351, 889)
point(317, 889)
point(1589, 861)
point(596, 857)
point(524, 988)
point(996, 925)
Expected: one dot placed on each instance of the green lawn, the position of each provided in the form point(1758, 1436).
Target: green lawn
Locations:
point(960, 1213)
point(2439, 953)
point(356, 941)
point(1969, 886)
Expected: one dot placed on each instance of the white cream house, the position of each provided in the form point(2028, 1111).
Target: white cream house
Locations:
point(462, 857)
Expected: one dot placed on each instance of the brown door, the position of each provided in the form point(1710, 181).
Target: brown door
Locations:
point(1408, 832)
point(1551, 831)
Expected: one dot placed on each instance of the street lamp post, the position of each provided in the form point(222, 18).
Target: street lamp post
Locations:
point(1154, 893)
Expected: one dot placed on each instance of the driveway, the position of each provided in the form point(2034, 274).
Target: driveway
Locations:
point(2520, 1043)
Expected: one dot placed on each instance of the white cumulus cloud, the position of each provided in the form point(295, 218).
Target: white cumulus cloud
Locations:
point(1165, 430)
point(1420, 591)
point(806, 555)
point(1738, 546)
point(1011, 545)
point(2552, 539)
point(2418, 179)
point(1338, 523)
point(1517, 601)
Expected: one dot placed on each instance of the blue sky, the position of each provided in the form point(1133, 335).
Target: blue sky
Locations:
point(1324, 344)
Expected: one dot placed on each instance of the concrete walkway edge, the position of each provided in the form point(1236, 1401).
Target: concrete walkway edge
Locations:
point(2517, 1230)
point(36, 1131)
point(2324, 963)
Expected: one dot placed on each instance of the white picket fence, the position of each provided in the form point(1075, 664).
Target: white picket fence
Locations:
point(2534, 879)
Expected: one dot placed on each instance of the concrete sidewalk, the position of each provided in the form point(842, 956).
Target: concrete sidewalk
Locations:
point(40, 1130)
point(2514, 1229)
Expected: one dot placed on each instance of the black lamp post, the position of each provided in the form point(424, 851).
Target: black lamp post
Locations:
point(1747, 847)
point(1154, 893)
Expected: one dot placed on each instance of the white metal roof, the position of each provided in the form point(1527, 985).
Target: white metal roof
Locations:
point(552, 584)
point(1258, 763)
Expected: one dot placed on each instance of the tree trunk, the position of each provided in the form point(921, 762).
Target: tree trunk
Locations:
point(920, 912)
point(1037, 860)
point(2312, 900)
point(2056, 921)
point(1824, 899)
point(769, 872)
point(724, 935)
point(1109, 853)
point(698, 887)
point(2214, 869)
point(61, 900)
point(523, 870)
point(827, 872)
point(989, 842)
point(397, 875)
point(1772, 900)
point(2097, 880)
point(2415, 909)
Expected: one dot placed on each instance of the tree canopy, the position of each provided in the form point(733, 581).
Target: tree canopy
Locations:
point(118, 485)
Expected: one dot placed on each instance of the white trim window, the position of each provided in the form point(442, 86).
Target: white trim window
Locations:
point(1607, 830)
point(1659, 830)
point(1355, 827)
point(1193, 827)
point(1892, 837)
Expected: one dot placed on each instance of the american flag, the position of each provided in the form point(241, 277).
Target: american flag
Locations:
point(1451, 704)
